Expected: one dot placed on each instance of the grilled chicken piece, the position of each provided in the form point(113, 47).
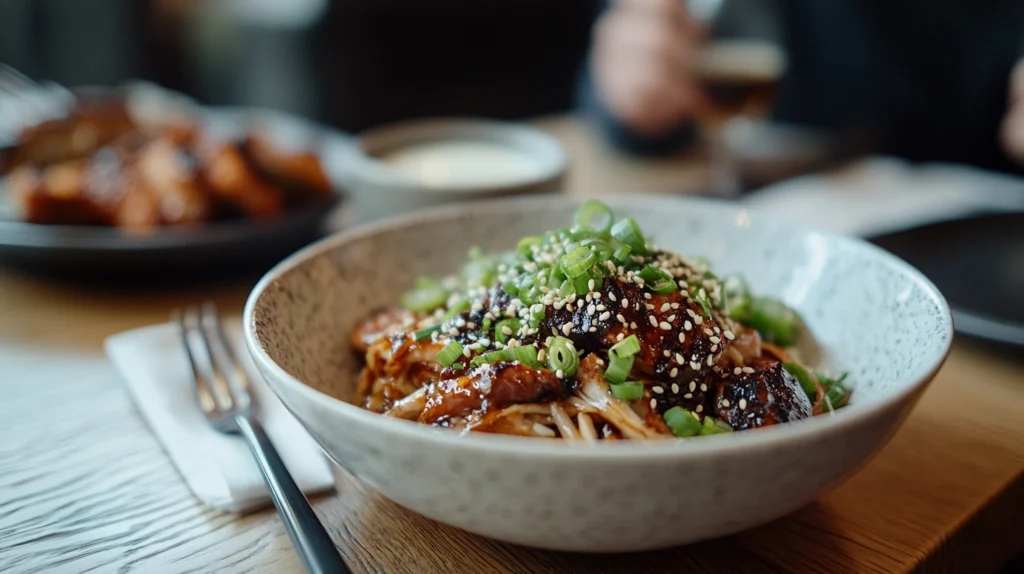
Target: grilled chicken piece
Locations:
point(767, 396)
point(91, 125)
point(234, 181)
point(488, 388)
point(170, 172)
point(300, 175)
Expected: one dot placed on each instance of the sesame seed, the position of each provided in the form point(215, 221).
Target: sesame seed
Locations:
point(453, 332)
point(625, 303)
point(675, 305)
point(506, 330)
point(725, 403)
point(649, 307)
point(567, 327)
point(654, 322)
point(729, 335)
point(665, 326)
point(558, 305)
point(680, 359)
point(687, 325)
point(714, 348)
point(633, 325)
point(612, 296)
point(711, 360)
point(560, 374)
point(693, 386)
point(467, 352)
point(658, 390)
point(596, 294)
point(569, 307)
point(691, 313)
point(708, 332)
point(592, 329)
point(700, 408)
point(671, 318)
point(620, 336)
point(715, 340)
point(743, 404)
point(688, 396)
point(698, 319)
point(591, 309)
point(621, 318)
point(654, 403)
point(695, 365)
point(646, 295)
point(604, 316)
point(737, 371)
point(667, 353)
point(675, 387)
point(601, 307)
point(673, 373)
point(512, 342)
point(590, 284)
point(665, 307)
point(748, 370)
point(589, 297)
point(682, 337)
point(541, 354)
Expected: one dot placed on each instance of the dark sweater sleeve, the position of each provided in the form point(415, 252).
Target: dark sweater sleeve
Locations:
point(621, 136)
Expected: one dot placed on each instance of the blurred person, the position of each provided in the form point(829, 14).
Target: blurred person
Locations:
point(930, 80)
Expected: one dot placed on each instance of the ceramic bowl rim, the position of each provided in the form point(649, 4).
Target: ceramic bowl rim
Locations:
point(804, 431)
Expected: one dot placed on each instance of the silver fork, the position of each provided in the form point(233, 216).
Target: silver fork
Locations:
point(223, 391)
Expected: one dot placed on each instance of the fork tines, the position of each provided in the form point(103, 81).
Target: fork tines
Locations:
point(222, 385)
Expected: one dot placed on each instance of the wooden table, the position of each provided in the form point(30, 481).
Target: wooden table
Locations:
point(84, 486)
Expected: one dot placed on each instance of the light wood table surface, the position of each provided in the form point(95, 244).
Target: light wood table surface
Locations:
point(85, 487)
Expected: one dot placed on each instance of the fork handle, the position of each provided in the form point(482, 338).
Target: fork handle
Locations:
point(311, 540)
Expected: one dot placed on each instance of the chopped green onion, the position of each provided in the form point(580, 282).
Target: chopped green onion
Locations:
point(425, 332)
point(427, 296)
point(511, 287)
point(566, 289)
point(600, 248)
point(836, 394)
point(622, 253)
point(594, 216)
point(537, 316)
point(705, 303)
point(577, 261)
point(737, 298)
point(453, 311)
point(527, 355)
point(626, 347)
point(682, 422)
point(627, 233)
point(804, 378)
point(479, 271)
point(450, 353)
point(510, 325)
point(658, 280)
point(505, 354)
point(628, 391)
point(714, 426)
point(525, 245)
point(562, 356)
point(459, 366)
point(619, 367)
point(775, 322)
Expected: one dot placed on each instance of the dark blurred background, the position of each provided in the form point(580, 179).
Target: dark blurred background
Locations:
point(350, 63)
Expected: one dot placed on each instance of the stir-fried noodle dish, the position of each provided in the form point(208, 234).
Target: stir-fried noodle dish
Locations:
point(591, 333)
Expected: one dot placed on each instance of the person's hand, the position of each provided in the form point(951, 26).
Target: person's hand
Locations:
point(640, 63)
point(1013, 123)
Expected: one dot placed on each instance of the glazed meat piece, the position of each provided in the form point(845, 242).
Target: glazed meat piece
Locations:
point(172, 176)
point(92, 124)
point(235, 183)
point(768, 395)
point(460, 394)
point(56, 194)
point(299, 174)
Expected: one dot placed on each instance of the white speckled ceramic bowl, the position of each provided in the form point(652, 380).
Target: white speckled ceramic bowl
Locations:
point(870, 313)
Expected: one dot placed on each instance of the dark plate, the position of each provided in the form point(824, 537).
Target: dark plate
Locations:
point(978, 264)
point(215, 250)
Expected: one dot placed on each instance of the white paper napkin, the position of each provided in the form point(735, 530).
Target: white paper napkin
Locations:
point(883, 194)
point(218, 468)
